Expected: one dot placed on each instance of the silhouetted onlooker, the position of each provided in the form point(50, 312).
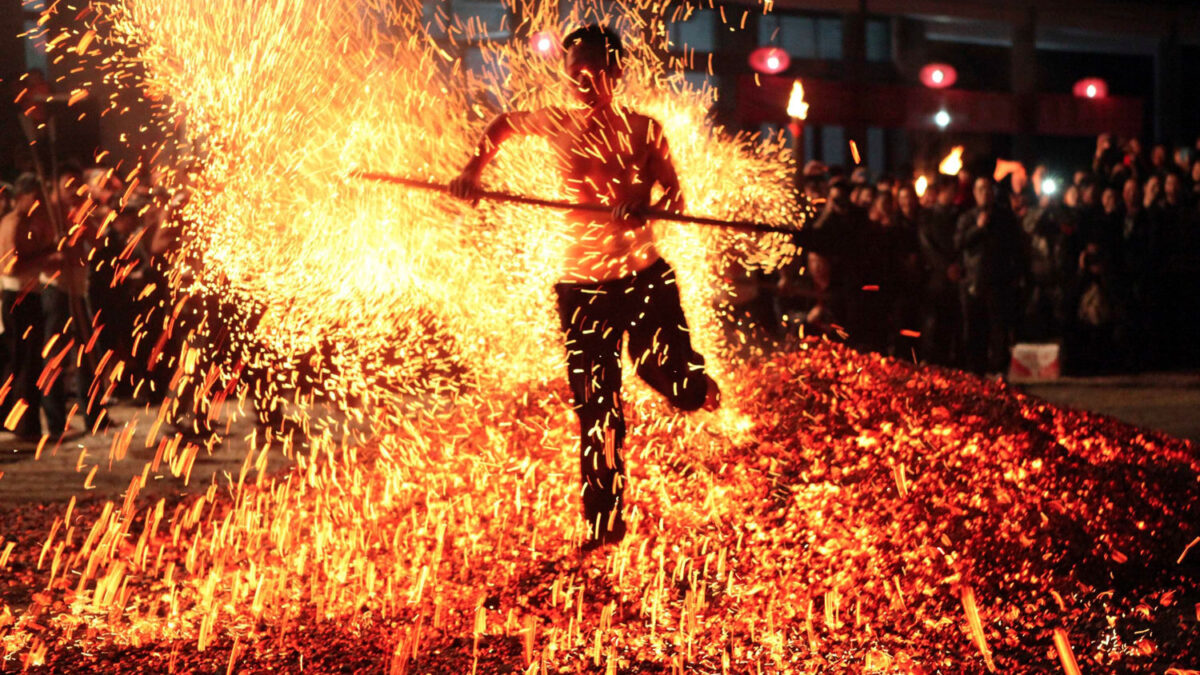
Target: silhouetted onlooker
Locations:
point(941, 325)
point(989, 243)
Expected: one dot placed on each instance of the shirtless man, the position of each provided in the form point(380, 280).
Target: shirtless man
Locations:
point(613, 282)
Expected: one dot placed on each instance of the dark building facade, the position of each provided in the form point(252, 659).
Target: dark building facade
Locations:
point(1016, 63)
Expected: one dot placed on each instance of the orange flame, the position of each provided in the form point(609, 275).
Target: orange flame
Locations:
point(921, 186)
point(952, 163)
point(796, 107)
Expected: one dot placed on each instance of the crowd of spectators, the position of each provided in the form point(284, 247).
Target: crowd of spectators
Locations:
point(1104, 262)
point(81, 258)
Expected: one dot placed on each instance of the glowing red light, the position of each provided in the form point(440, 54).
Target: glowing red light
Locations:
point(1090, 87)
point(544, 43)
point(938, 75)
point(770, 60)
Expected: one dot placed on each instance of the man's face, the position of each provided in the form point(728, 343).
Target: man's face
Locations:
point(593, 73)
point(1109, 200)
point(1131, 194)
point(839, 199)
point(1172, 187)
point(945, 196)
point(24, 202)
point(1088, 194)
point(68, 189)
point(983, 193)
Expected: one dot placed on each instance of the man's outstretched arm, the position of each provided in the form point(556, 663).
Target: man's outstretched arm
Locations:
point(503, 127)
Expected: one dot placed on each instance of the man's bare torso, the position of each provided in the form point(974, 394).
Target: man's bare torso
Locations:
point(605, 157)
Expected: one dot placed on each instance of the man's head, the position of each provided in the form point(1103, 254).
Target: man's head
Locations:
point(839, 196)
point(26, 191)
point(1108, 200)
point(70, 184)
point(1089, 192)
point(594, 58)
point(1131, 194)
point(906, 200)
point(984, 191)
point(1158, 157)
point(866, 196)
point(947, 190)
point(127, 220)
point(1173, 188)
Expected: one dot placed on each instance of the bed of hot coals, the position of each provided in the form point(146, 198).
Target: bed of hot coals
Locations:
point(855, 514)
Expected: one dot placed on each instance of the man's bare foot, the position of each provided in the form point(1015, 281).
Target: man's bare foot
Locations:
point(607, 537)
point(712, 397)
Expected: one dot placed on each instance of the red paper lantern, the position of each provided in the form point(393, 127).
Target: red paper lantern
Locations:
point(1090, 87)
point(938, 75)
point(770, 60)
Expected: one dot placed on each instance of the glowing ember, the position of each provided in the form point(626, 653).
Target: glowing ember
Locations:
point(952, 163)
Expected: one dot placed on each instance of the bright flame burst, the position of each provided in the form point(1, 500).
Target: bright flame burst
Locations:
point(403, 286)
point(796, 107)
point(421, 319)
point(952, 163)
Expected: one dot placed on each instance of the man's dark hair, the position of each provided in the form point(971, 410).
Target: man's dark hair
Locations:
point(71, 168)
point(596, 36)
point(25, 184)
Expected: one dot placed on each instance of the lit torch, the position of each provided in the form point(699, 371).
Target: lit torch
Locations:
point(921, 186)
point(952, 163)
point(797, 109)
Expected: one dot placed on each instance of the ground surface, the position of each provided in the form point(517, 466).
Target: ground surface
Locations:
point(1167, 402)
point(856, 515)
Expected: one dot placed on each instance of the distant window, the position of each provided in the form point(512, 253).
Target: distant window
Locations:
point(879, 40)
point(487, 18)
point(876, 149)
point(796, 35)
point(829, 39)
point(809, 149)
point(595, 11)
point(474, 61)
point(699, 32)
point(700, 79)
point(433, 17)
point(833, 145)
point(35, 47)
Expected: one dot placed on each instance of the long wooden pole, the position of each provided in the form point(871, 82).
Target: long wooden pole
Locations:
point(743, 225)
